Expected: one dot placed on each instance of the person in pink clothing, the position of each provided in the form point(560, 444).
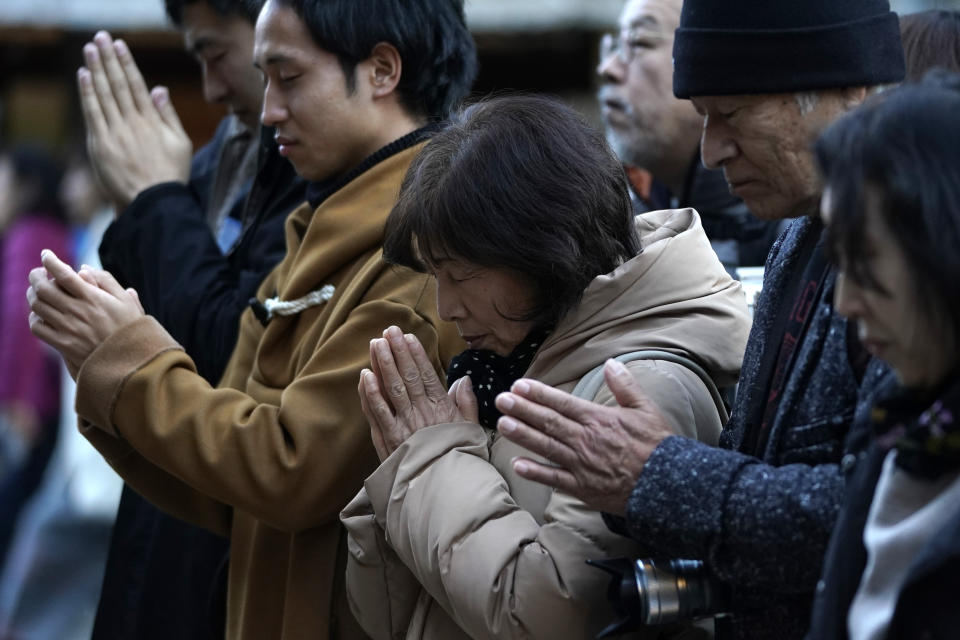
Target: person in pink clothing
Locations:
point(31, 220)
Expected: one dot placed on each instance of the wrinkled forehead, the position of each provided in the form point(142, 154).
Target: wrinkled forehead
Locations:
point(657, 16)
point(760, 102)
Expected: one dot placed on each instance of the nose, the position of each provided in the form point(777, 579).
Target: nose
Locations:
point(215, 90)
point(717, 146)
point(274, 110)
point(847, 298)
point(611, 68)
point(449, 306)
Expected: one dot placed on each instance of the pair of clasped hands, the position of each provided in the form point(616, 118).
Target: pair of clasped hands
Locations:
point(74, 312)
point(596, 451)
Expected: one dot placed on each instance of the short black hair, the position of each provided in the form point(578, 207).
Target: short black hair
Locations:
point(931, 39)
point(521, 183)
point(246, 9)
point(904, 146)
point(435, 46)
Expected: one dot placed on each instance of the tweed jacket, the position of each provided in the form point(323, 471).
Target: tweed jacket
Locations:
point(762, 523)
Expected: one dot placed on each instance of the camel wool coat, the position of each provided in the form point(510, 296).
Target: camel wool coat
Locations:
point(271, 456)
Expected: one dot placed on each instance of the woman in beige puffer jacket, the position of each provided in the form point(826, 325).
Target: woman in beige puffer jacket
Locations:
point(445, 540)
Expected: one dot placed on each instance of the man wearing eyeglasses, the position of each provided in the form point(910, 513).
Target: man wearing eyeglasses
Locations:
point(649, 128)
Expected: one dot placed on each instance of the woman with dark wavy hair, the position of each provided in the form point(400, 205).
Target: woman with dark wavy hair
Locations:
point(521, 213)
point(892, 207)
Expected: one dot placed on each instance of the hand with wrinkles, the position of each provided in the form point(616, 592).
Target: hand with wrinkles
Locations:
point(402, 393)
point(598, 451)
point(75, 312)
point(134, 137)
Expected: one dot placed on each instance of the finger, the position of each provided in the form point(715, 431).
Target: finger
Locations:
point(362, 393)
point(136, 298)
point(115, 74)
point(45, 312)
point(431, 382)
point(105, 281)
point(378, 411)
point(393, 384)
point(43, 331)
point(540, 417)
point(466, 400)
point(37, 275)
point(138, 88)
point(65, 277)
point(407, 366)
point(90, 105)
point(536, 441)
point(87, 277)
point(47, 291)
point(452, 391)
point(101, 85)
point(567, 405)
point(623, 386)
point(161, 100)
point(374, 365)
point(375, 434)
point(551, 476)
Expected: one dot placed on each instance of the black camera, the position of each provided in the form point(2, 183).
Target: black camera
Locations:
point(648, 592)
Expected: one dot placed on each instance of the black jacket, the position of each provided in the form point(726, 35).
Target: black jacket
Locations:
point(163, 576)
point(926, 608)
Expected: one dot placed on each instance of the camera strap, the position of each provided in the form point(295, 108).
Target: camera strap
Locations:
point(590, 384)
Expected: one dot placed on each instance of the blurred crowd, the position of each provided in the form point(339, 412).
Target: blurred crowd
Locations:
point(387, 359)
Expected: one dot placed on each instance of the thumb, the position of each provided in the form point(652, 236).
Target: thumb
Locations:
point(161, 100)
point(624, 388)
point(467, 400)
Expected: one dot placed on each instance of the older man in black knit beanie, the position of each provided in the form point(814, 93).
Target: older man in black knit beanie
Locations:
point(768, 76)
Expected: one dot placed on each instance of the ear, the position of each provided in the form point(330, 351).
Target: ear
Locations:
point(385, 67)
point(853, 96)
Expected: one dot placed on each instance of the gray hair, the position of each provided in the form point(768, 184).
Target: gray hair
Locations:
point(808, 100)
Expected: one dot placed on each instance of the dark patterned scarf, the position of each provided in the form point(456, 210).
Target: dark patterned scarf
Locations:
point(924, 428)
point(492, 374)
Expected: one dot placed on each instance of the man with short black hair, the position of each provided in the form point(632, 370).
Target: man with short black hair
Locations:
point(272, 455)
point(767, 77)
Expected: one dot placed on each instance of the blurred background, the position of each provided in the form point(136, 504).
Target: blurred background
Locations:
point(538, 45)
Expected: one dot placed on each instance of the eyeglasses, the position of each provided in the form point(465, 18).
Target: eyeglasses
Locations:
point(627, 44)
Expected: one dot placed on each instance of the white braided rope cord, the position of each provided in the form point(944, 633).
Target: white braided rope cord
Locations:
point(278, 307)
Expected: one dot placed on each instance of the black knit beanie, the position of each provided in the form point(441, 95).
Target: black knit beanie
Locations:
point(730, 47)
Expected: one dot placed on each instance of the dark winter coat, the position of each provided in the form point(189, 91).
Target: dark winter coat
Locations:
point(926, 608)
point(166, 578)
point(761, 520)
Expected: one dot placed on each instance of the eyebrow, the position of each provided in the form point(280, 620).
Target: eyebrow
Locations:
point(201, 43)
point(273, 59)
point(646, 22)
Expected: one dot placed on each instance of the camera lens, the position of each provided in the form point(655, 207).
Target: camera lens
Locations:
point(647, 592)
point(674, 590)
